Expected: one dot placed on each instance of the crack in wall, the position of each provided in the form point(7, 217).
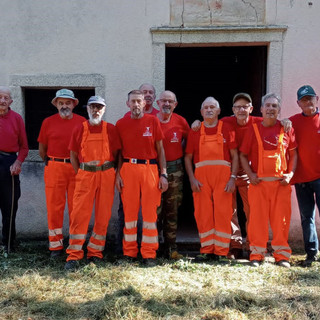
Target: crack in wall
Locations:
point(250, 5)
point(210, 12)
point(182, 13)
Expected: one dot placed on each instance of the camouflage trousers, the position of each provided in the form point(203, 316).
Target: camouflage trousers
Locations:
point(168, 210)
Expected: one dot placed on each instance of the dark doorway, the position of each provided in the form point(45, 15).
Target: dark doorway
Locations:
point(194, 73)
point(38, 106)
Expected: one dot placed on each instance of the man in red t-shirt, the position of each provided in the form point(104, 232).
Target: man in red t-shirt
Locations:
point(137, 177)
point(94, 147)
point(307, 176)
point(268, 156)
point(175, 129)
point(59, 176)
point(13, 140)
point(213, 150)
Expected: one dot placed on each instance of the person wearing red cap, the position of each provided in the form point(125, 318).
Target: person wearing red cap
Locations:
point(269, 157)
point(307, 176)
point(59, 176)
point(13, 140)
point(138, 178)
point(94, 147)
point(213, 150)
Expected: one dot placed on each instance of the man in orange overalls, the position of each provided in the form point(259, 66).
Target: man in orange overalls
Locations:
point(273, 158)
point(138, 178)
point(213, 150)
point(93, 148)
point(59, 176)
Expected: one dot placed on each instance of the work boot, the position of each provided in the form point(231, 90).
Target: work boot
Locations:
point(206, 257)
point(307, 263)
point(71, 265)
point(175, 255)
point(283, 263)
point(94, 260)
point(255, 263)
point(56, 254)
point(149, 262)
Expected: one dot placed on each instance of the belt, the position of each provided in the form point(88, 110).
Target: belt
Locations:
point(66, 160)
point(174, 162)
point(140, 161)
point(212, 163)
point(7, 153)
point(103, 167)
point(269, 178)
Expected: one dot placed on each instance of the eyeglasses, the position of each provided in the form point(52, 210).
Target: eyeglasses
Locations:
point(167, 100)
point(245, 107)
point(96, 106)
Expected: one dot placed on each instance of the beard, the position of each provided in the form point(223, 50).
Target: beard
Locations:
point(65, 112)
point(95, 121)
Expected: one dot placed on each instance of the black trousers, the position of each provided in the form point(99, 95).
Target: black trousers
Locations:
point(6, 197)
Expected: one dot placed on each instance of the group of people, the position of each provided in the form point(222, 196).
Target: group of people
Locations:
point(143, 155)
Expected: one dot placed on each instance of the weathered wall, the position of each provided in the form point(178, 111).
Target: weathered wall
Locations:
point(111, 40)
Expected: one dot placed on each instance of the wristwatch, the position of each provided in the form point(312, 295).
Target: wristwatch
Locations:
point(165, 175)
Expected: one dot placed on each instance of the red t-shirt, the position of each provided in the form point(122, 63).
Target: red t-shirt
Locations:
point(241, 130)
point(13, 136)
point(269, 137)
point(153, 112)
point(228, 134)
point(307, 131)
point(56, 132)
point(138, 136)
point(113, 137)
point(174, 131)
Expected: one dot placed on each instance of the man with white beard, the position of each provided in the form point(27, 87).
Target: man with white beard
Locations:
point(94, 147)
point(59, 176)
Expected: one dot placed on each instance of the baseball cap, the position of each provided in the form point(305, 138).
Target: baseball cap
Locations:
point(96, 99)
point(305, 90)
point(241, 95)
point(64, 93)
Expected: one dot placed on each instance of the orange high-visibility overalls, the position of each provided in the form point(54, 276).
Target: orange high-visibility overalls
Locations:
point(59, 178)
point(140, 182)
point(94, 184)
point(213, 206)
point(270, 201)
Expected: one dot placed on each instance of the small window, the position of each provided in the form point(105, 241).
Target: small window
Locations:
point(38, 106)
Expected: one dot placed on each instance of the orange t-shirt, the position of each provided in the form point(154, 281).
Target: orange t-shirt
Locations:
point(56, 132)
point(229, 140)
point(174, 131)
point(138, 136)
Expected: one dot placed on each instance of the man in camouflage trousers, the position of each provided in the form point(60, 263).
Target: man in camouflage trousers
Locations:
point(175, 129)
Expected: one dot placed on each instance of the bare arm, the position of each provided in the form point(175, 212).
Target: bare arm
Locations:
point(196, 124)
point(287, 125)
point(163, 182)
point(195, 184)
point(292, 165)
point(74, 160)
point(230, 187)
point(43, 151)
point(119, 182)
point(246, 167)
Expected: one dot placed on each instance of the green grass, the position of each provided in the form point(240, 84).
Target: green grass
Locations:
point(33, 287)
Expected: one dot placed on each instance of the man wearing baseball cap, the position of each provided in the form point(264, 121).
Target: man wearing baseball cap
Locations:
point(307, 176)
point(59, 176)
point(94, 147)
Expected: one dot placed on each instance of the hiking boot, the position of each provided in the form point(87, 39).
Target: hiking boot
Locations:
point(175, 255)
point(94, 260)
point(307, 263)
point(283, 263)
point(255, 263)
point(149, 262)
point(206, 257)
point(129, 259)
point(56, 254)
point(235, 253)
point(71, 265)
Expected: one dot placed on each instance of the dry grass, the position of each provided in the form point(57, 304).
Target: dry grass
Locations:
point(32, 287)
